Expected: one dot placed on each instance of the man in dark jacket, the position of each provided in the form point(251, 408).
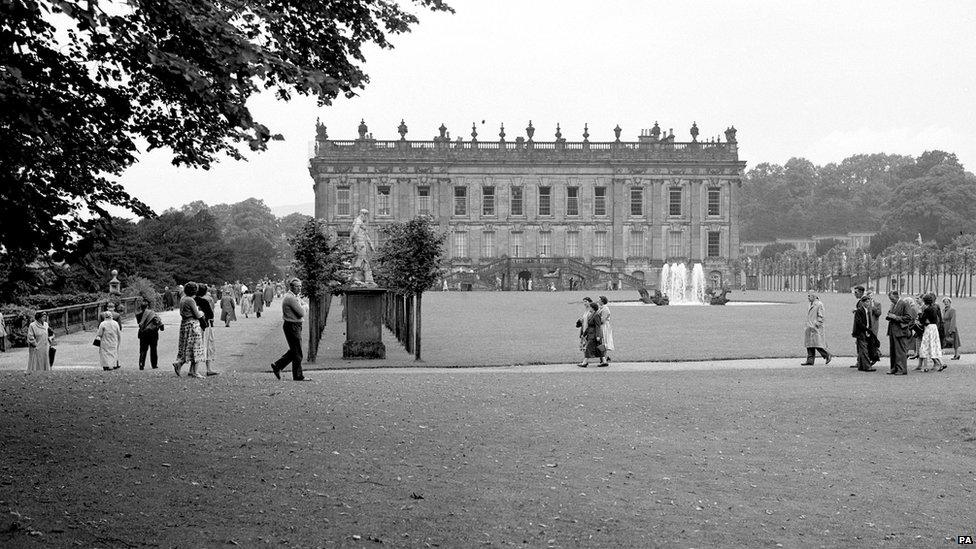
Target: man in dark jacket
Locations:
point(900, 335)
point(861, 332)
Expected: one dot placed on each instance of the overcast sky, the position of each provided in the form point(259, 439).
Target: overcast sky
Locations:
point(816, 79)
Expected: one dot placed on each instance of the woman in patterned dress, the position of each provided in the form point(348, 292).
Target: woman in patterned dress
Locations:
point(191, 339)
point(930, 347)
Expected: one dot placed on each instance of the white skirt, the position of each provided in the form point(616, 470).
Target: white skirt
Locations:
point(930, 347)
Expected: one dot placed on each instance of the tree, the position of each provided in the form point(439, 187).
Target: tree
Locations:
point(76, 99)
point(939, 204)
point(253, 256)
point(409, 263)
point(323, 262)
point(772, 250)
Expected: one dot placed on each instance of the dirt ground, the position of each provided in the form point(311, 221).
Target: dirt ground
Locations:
point(797, 457)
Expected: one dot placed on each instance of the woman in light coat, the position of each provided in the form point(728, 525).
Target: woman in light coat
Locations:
point(951, 330)
point(814, 337)
point(581, 323)
point(109, 335)
point(38, 358)
point(607, 328)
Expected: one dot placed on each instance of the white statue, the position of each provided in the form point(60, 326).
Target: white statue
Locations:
point(362, 245)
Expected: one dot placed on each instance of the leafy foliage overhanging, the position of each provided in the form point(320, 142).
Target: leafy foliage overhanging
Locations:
point(83, 81)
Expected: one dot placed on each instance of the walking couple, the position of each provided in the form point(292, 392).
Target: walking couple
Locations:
point(596, 334)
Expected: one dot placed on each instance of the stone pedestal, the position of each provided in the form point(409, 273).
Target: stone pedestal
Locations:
point(364, 323)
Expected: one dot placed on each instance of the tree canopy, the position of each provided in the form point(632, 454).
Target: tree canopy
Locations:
point(409, 260)
point(85, 83)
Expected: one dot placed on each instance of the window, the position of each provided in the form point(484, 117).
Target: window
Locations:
point(516, 244)
point(714, 202)
point(572, 244)
point(600, 244)
point(342, 201)
point(488, 201)
point(488, 244)
point(674, 244)
point(423, 200)
point(383, 200)
point(460, 244)
point(460, 201)
point(636, 244)
point(517, 201)
point(714, 243)
point(545, 244)
point(599, 201)
point(637, 201)
point(674, 201)
point(572, 200)
point(545, 200)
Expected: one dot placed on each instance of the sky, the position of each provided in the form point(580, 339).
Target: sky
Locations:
point(822, 80)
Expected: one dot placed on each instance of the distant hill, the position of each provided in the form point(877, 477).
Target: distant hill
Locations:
point(307, 208)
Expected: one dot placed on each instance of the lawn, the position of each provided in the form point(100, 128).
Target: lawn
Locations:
point(492, 328)
point(487, 458)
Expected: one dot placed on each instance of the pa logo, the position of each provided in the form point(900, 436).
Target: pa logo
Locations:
point(964, 540)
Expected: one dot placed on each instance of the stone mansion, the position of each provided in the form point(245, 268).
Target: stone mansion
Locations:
point(573, 211)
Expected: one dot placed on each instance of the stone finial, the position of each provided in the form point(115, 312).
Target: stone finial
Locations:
point(362, 129)
point(694, 131)
point(586, 133)
point(402, 129)
point(443, 130)
point(616, 132)
point(320, 132)
point(474, 132)
point(559, 133)
point(730, 134)
point(501, 133)
point(656, 131)
point(529, 130)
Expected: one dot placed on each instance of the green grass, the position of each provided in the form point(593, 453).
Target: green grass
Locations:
point(490, 328)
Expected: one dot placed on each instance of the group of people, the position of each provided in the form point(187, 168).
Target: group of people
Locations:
point(595, 332)
point(918, 328)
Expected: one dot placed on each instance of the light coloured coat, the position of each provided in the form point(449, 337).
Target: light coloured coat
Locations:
point(814, 335)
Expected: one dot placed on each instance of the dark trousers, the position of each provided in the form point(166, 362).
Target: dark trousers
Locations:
point(51, 352)
point(811, 353)
point(863, 353)
point(148, 343)
point(293, 335)
point(898, 349)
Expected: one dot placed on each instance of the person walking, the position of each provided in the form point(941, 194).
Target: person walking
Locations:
point(593, 337)
point(205, 303)
point(861, 332)
point(190, 347)
point(52, 345)
point(293, 314)
point(149, 327)
point(269, 293)
point(930, 346)
point(247, 303)
point(257, 301)
point(168, 301)
point(38, 358)
point(3, 335)
point(228, 305)
point(109, 337)
point(814, 337)
point(900, 320)
point(949, 325)
point(607, 329)
point(581, 323)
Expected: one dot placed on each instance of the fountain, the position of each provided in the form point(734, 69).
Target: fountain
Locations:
point(683, 287)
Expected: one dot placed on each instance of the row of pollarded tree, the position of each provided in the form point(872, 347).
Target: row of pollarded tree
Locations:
point(908, 266)
point(406, 264)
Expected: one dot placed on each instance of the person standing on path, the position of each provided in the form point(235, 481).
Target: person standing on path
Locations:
point(269, 293)
point(593, 336)
point(148, 334)
point(874, 309)
point(293, 314)
point(38, 358)
point(900, 320)
point(861, 332)
point(3, 335)
point(581, 323)
point(814, 336)
point(247, 303)
point(190, 347)
point(205, 303)
point(257, 301)
point(227, 307)
point(606, 328)
point(930, 346)
point(109, 337)
point(949, 323)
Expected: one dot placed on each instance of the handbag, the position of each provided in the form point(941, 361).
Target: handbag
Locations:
point(97, 342)
point(602, 348)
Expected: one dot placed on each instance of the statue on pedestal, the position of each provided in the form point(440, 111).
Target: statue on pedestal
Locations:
point(362, 245)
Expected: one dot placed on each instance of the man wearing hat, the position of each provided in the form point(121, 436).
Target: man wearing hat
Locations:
point(293, 314)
